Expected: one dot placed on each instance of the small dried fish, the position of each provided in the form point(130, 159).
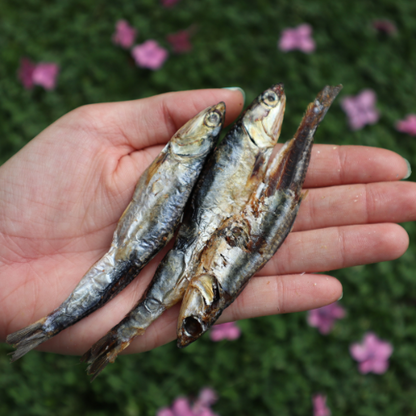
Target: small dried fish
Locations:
point(145, 227)
point(245, 242)
point(231, 174)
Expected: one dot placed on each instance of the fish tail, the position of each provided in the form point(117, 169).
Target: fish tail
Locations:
point(105, 351)
point(28, 338)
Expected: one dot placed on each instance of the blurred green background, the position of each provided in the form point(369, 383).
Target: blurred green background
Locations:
point(279, 362)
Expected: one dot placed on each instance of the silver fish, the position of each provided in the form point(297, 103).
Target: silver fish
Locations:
point(245, 242)
point(231, 174)
point(145, 227)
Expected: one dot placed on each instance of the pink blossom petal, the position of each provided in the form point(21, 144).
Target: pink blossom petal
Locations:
point(365, 367)
point(306, 45)
point(348, 104)
point(297, 38)
point(358, 352)
point(149, 55)
point(25, 72)
point(216, 336)
point(370, 341)
point(206, 411)
point(372, 353)
point(181, 407)
point(165, 411)
point(385, 26)
point(367, 98)
point(408, 125)
point(207, 396)
point(338, 312)
point(225, 331)
point(383, 351)
point(124, 34)
point(319, 406)
point(304, 30)
point(233, 333)
point(325, 326)
point(45, 74)
point(180, 41)
point(379, 366)
point(325, 317)
point(361, 109)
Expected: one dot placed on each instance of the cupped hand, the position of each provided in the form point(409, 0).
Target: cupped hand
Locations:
point(62, 195)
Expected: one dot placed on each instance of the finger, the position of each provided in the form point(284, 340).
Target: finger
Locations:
point(357, 204)
point(283, 294)
point(337, 247)
point(312, 251)
point(262, 296)
point(153, 121)
point(339, 165)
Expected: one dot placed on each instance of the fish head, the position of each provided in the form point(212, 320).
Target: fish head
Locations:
point(197, 136)
point(263, 119)
point(198, 309)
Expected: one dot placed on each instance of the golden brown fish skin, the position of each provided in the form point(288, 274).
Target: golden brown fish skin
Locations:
point(245, 242)
point(145, 227)
point(231, 174)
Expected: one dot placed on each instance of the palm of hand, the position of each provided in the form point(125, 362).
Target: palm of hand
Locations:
point(68, 197)
point(61, 198)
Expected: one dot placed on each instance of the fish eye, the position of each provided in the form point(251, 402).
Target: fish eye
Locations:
point(269, 98)
point(212, 119)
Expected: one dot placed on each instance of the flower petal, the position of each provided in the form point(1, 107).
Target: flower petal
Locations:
point(359, 352)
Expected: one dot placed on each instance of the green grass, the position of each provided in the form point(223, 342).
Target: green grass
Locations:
point(279, 361)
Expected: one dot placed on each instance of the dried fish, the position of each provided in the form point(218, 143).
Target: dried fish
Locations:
point(231, 174)
point(145, 227)
point(246, 241)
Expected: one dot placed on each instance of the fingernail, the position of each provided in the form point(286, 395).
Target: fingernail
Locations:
point(342, 294)
point(409, 169)
point(237, 89)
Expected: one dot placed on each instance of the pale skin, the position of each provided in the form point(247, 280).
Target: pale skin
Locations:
point(62, 195)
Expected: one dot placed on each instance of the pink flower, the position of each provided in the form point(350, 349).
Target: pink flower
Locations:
point(165, 411)
point(169, 3)
point(319, 406)
point(361, 109)
point(228, 331)
point(124, 34)
point(372, 354)
point(43, 74)
point(297, 38)
point(180, 41)
point(408, 125)
point(325, 317)
point(149, 55)
point(182, 407)
point(385, 26)
point(25, 72)
point(207, 397)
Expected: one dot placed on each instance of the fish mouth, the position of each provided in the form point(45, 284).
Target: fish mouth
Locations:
point(191, 329)
point(194, 317)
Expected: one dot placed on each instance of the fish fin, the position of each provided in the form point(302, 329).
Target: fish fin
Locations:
point(28, 338)
point(103, 352)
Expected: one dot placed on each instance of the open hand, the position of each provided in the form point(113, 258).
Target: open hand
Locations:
point(62, 195)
